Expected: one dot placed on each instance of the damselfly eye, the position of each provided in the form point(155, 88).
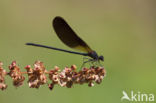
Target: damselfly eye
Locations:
point(101, 58)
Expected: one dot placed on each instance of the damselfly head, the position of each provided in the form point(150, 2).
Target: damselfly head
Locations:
point(101, 58)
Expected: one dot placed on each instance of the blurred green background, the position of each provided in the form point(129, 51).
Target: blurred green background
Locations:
point(124, 31)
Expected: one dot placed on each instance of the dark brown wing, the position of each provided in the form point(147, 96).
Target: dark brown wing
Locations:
point(68, 36)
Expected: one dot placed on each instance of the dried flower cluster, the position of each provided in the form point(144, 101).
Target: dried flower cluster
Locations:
point(16, 74)
point(65, 78)
point(36, 76)
point(69, 76)
point(3, 73)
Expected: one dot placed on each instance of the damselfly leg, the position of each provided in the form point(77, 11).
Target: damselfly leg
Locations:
point(91, 62)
